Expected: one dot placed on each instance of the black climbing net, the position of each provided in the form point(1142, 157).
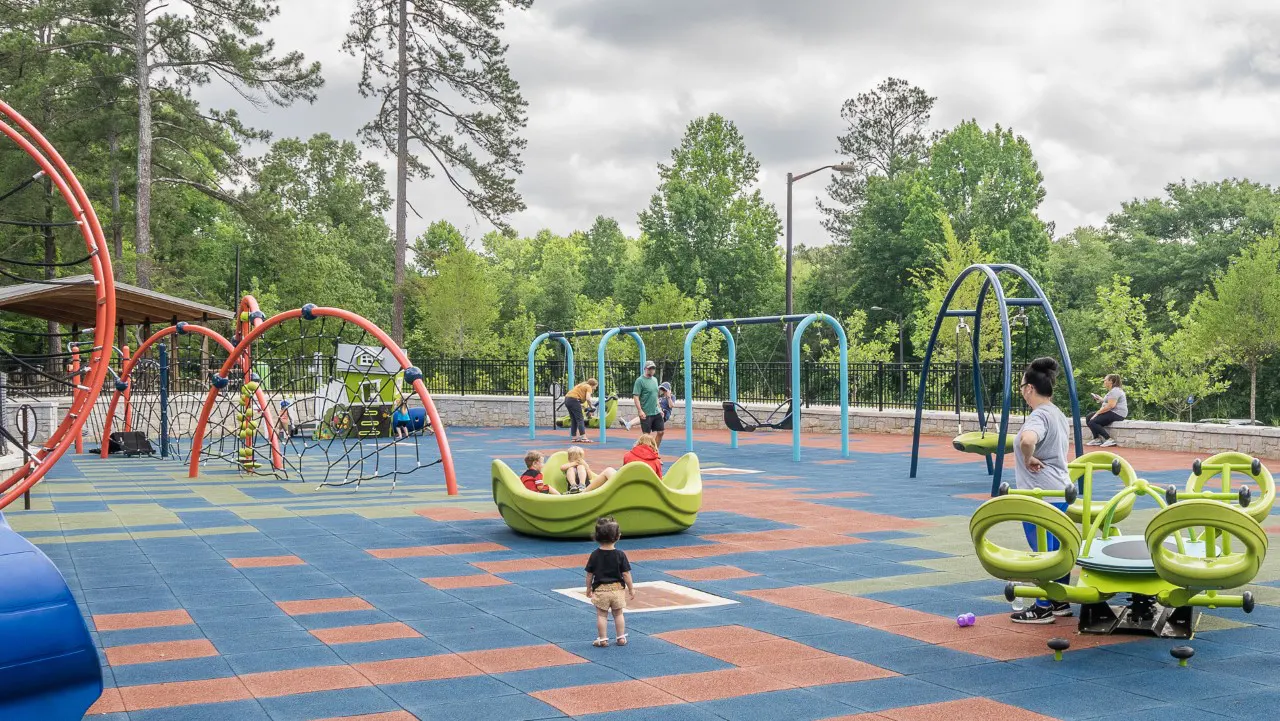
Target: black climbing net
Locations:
point(320, 405)
point(162, 395)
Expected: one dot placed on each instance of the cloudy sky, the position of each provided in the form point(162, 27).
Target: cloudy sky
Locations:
point(1117, 98)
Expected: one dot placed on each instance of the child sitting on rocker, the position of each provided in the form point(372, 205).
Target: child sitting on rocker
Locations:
point(578, 474)
point(532, 476)
point(645, 451)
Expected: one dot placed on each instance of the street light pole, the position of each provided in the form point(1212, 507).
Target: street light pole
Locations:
point(791, 180)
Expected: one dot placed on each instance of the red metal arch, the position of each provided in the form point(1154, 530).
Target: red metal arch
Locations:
point(242, 348)
point(56, 169)
point(277, 460)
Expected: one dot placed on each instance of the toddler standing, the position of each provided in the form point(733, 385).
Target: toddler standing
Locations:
point(609, 583)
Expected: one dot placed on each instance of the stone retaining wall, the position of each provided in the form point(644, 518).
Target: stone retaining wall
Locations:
point(508, 411)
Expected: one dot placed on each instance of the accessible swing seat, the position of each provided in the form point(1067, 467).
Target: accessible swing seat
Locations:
point(1199, 544)
point(610, 416)
point(733, 413)
point(983, 443)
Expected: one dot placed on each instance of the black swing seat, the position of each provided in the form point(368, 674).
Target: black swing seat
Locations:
point(733, 413)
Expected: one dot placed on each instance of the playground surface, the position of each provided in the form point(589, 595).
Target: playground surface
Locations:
point(826, 589)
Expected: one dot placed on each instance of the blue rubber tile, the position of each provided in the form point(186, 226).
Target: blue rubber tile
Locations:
point(132, 636)
point(425, 694)
point(282, 659)
point(801, 624)
point(686, 712)
point(853, 641)
point(154, 592)
point(1159, 713)
point(306, 593)
point(654, 664)
point(455, 619)
point(485, 640)
point(542, 679)
point(920, 659)
point(410, 606)
point(1263, 668)
point(1173, 684)
point(238, 710)
point(795, 705)
point(232, 613)
point(328, 704)
point(189, 669)
point(530, 602)
point(191, 588)
point(1085, 700)
point(882, 570)
point(209, 519)
point(887, 693)
point(1090, 663)
point(224, 599)
point(989, 678)
point(338, 619)
point(1257, 638)
point(512, 707)
point(387, 650)
point(275, 579)
point(134, 606)
point(248, 627)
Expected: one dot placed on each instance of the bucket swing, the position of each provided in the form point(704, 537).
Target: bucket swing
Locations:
point(982, 441)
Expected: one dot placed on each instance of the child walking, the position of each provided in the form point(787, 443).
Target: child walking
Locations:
point(609, 583)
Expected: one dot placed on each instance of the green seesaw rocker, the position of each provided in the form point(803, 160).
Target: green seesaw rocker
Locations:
point(1196, 546)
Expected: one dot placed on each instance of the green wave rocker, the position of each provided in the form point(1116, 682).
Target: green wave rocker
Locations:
point(1198, 545)
point(642, 503)
point(610, 416)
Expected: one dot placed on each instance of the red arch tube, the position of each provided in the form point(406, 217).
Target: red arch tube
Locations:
point(450, 478)
point(56, 169)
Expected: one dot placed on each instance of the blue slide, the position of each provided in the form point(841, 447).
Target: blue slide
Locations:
point(48, 665)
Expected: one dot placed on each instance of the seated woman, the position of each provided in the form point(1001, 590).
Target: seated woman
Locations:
point(1115, 407)
point(578, 474)
point(645, 451)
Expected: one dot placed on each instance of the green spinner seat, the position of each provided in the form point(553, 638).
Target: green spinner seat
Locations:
point(1230, 568)
point(982, 442)
point(1020, 564)
point(1086, 466)
point(1229, 464)
point(641, 502)
point(610, 416)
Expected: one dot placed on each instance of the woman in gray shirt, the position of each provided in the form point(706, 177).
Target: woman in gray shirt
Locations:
point(1040, 461)
point(1115, 407)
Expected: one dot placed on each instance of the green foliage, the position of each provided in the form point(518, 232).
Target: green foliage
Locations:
point(1127, 345)
point(886, 136)
point(460, 308)
point(953, 256)
point(707, 222)
point(1238, 319)
point(439, 239)
point(866, 345)
point(664, 303)
point(1181, 372)
point(606, 257)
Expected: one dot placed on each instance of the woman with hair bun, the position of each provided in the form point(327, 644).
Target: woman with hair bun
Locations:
point(1040, 461)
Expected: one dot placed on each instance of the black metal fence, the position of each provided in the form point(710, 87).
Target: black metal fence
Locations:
point(876, 385)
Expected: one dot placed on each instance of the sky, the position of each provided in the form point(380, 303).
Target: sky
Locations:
point(1117, 98)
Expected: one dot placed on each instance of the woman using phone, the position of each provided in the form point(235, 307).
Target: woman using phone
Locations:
point(1114, 407)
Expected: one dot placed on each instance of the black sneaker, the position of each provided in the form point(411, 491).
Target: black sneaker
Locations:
point(1036, 614)
point(1061, 609)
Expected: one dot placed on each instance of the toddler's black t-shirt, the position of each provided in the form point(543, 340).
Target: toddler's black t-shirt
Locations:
point(607, 566)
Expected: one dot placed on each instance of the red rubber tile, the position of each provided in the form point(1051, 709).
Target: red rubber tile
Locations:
point(891, 617)
point(765, 653)
point(713, 685)
point(448, 513)
point(712, 573)
point(1005, 646)
point(823, 671)
point(266, 562)
point(970, 708)
point(606, 698)
point(945, 630)
point(423, 668)
point(324, 605)
point(520, 658)
point(183, 693)
point(448, 549)
point(479, 580)
point(514, 566)
point(363, 633)
point(388, 716)
point(108, 702)
point(146, 619)
point(303, 680)
point(697, 639)
point(161, 651)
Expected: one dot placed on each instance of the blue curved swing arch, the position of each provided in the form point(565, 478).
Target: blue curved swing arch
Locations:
point(991, 285)
point(803, 321)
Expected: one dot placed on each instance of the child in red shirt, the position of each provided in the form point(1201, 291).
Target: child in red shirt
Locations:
point(645, 451)
point(532, 476)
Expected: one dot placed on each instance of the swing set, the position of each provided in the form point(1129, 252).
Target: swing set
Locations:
point(785, 417)
point(992, 443)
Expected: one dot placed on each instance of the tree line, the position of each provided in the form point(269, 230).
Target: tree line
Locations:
point(1177, 292)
